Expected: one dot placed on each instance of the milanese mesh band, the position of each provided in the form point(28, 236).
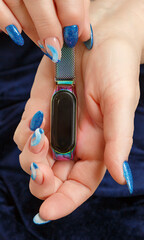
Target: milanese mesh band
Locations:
point(65, 69)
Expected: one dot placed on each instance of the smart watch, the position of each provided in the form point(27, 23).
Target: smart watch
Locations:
point(64, 108)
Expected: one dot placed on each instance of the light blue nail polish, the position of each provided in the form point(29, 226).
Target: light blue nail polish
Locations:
point(36, 120)
point(38, 220)
point(70, 35)
point(15, 34)
point(89, 43)
point(54, 52)
point(128, 176)
point(40, 45)
point(36, 137)
point(33, 169)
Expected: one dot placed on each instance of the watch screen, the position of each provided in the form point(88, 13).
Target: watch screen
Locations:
point(63, 121)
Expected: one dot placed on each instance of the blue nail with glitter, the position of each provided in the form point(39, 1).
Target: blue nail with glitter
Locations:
point(36, 120)
point(15, 35)
point(33, 169)
point(70, 35)
point(128, 176)
point(39, 221)
point(89, 43)
point(36, 137)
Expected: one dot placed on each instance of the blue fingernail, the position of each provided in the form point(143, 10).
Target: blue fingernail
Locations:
point(33, 169)
point(36, 137)
point(89, 43)
point(15, 34)
point(128, 176)
point(54, 52)
point(38, 220)
point(36, 121)
point(71, 35)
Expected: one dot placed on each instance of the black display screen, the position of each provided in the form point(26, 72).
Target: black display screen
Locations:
point(63, 121)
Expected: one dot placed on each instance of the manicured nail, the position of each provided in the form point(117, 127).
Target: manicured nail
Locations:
point(15, 34)
point(36, 173)
point(38, 220)
point(71, 35)
point(53, 49)
point(128, 176)
point(42, 47)
point(36, 137)
point(89, 43)
point(33, 169)
point(36, 120)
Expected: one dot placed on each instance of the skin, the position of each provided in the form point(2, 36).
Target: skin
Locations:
point(44, 19)
point(108, 93)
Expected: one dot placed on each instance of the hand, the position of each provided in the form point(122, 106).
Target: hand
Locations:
point(108, 94)
point(44, 20)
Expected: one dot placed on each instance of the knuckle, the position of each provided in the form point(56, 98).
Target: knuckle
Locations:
point(19, 138)
point(46, 28)
point(24, 162)
point(71, 15)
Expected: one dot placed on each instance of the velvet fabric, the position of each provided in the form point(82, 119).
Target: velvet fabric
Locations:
point(110, 214)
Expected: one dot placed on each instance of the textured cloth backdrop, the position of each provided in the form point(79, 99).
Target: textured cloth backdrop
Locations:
point(110, 214)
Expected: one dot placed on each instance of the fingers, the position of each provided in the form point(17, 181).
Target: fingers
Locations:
point(40, 99)
point(75, 13)
point(43, 21)
point(36, 148)
point(116, 92)
point(83, 178)
point(74, 191)
point(86, 33)
point(82, 181)
point(46, 176)
point(10, 25)
point(34, 154)
point(49, 29)
point(31, 120)
point(118, 106)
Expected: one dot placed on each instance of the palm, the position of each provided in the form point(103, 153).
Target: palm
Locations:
point(70, 182)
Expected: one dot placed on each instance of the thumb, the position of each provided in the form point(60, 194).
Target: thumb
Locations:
point(119, 101)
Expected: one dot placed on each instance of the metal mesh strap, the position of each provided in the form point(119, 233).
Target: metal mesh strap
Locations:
point(65, 69)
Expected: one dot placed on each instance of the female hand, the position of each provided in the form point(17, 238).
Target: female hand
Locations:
point(108, 93)
point(43, 21)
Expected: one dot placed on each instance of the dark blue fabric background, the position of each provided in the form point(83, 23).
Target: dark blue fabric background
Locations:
point(110, 214)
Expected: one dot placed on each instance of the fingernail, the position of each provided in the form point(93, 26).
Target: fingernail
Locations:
point(71, 35)
point(15, 35)
point(33, 169)
point(53, 49)
point(42, 47)
point(36, 120)
point(89, 43)
point(36, 173)
point(36, 137)
point(38, 220)
point(128, 176)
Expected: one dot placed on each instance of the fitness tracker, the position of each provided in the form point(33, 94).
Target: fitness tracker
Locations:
point(64, 108)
